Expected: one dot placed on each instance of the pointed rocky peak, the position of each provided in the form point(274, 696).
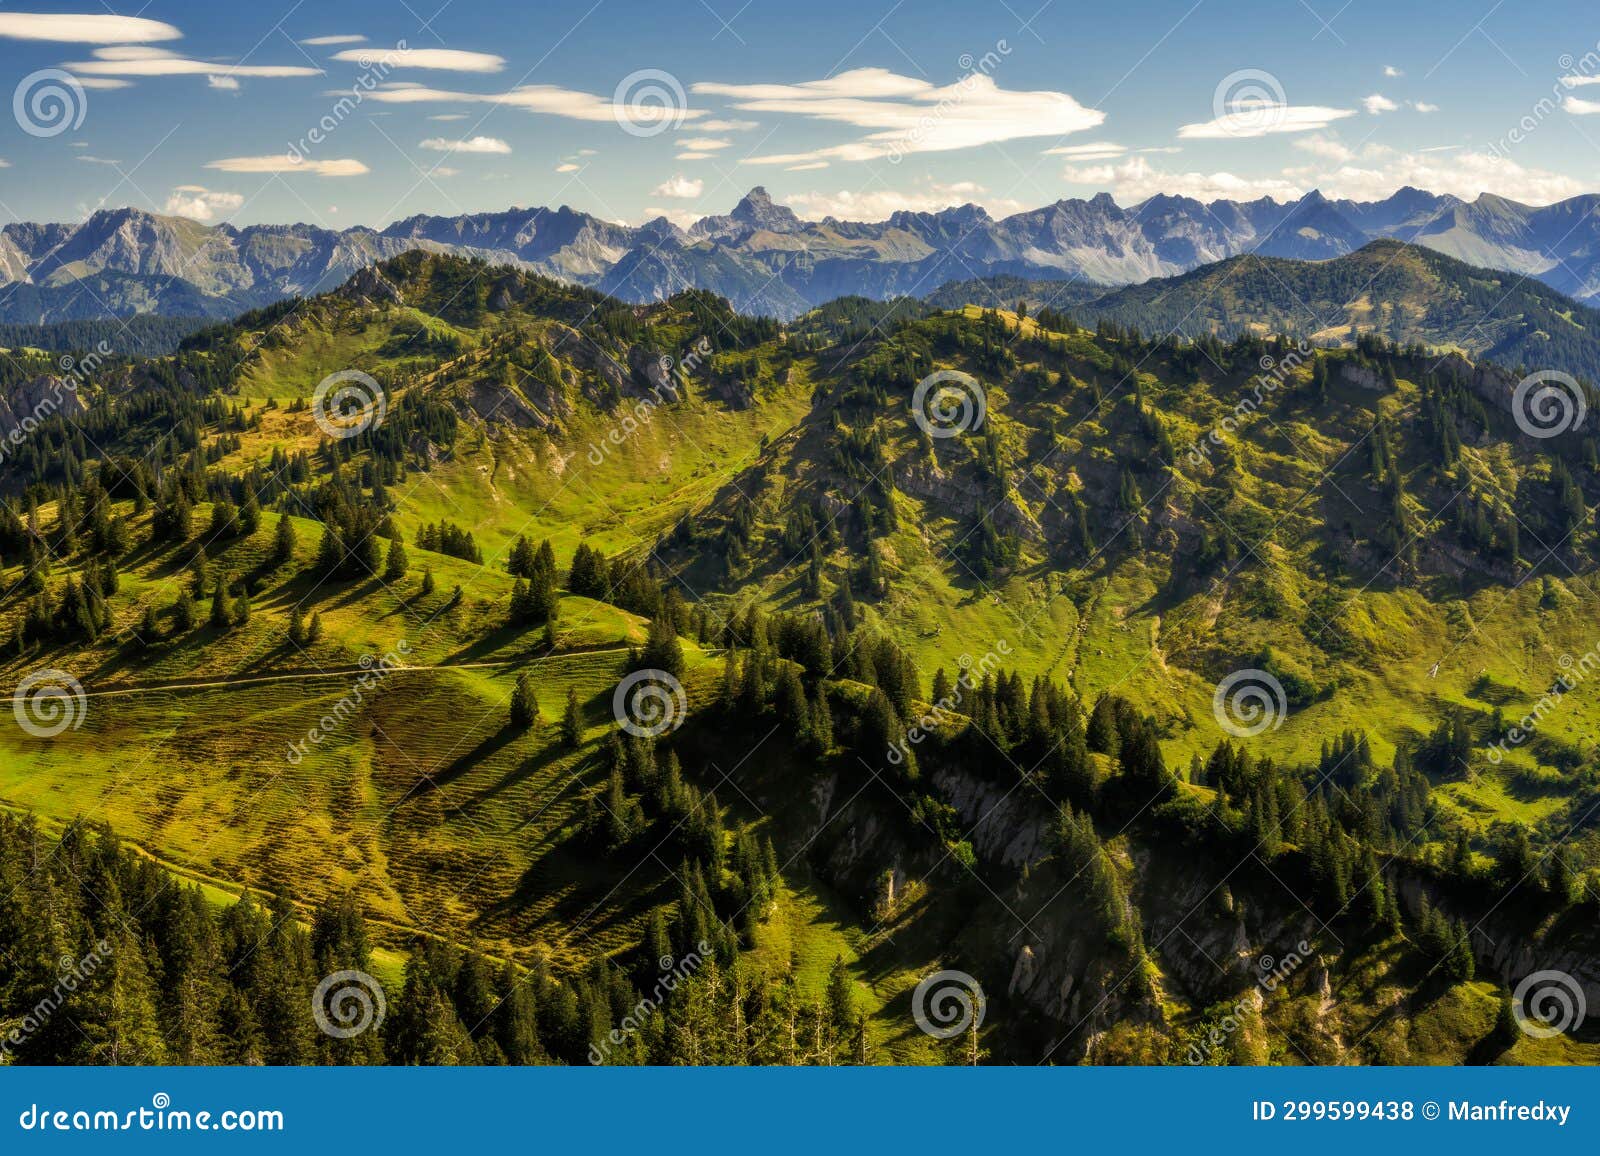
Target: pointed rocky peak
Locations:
point(758, 209)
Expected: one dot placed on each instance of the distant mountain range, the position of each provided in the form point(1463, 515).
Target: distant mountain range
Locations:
point(764, 258)
point(1402, 292)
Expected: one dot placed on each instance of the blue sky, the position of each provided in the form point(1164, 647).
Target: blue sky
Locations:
point(860, 108)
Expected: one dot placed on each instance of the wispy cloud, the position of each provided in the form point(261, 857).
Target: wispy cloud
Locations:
point(323, 41)
point(548, 99)
point(135, 60)
point(1264, 118)
point(70, 28)
point(1096, 151)
point(477, 144)
point(909, 115)
point(281, 163)
point(439, 59)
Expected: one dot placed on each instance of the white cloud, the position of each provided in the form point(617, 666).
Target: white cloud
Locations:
point(282, 163)
point(200, 203)
point(809, 167)
point(679, 186)
point(133, 60)
point(1325, 147)
point(1465, 174)
point(1391, 71)
point(97, 160)
point(1424, 106)
point(81, 29)
point(880, 204)
point(226, 83)
point(477, 144)
point(729, 125)
point(448, 116)
point(1377, 103)
point(1098, 151)
point(682, 218)
point(566, 167)
point(103, 82)
point(439, 59)
point(1262, 118)
point(909, 115)
point(1136, 179)
point(1580, 107)
point(694, 156)
point(541, 98)
point(1579, 81)
point(321, 41)
point(443, 171)
point(704, 144)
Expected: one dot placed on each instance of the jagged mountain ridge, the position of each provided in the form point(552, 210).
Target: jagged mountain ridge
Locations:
point(763, 257)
